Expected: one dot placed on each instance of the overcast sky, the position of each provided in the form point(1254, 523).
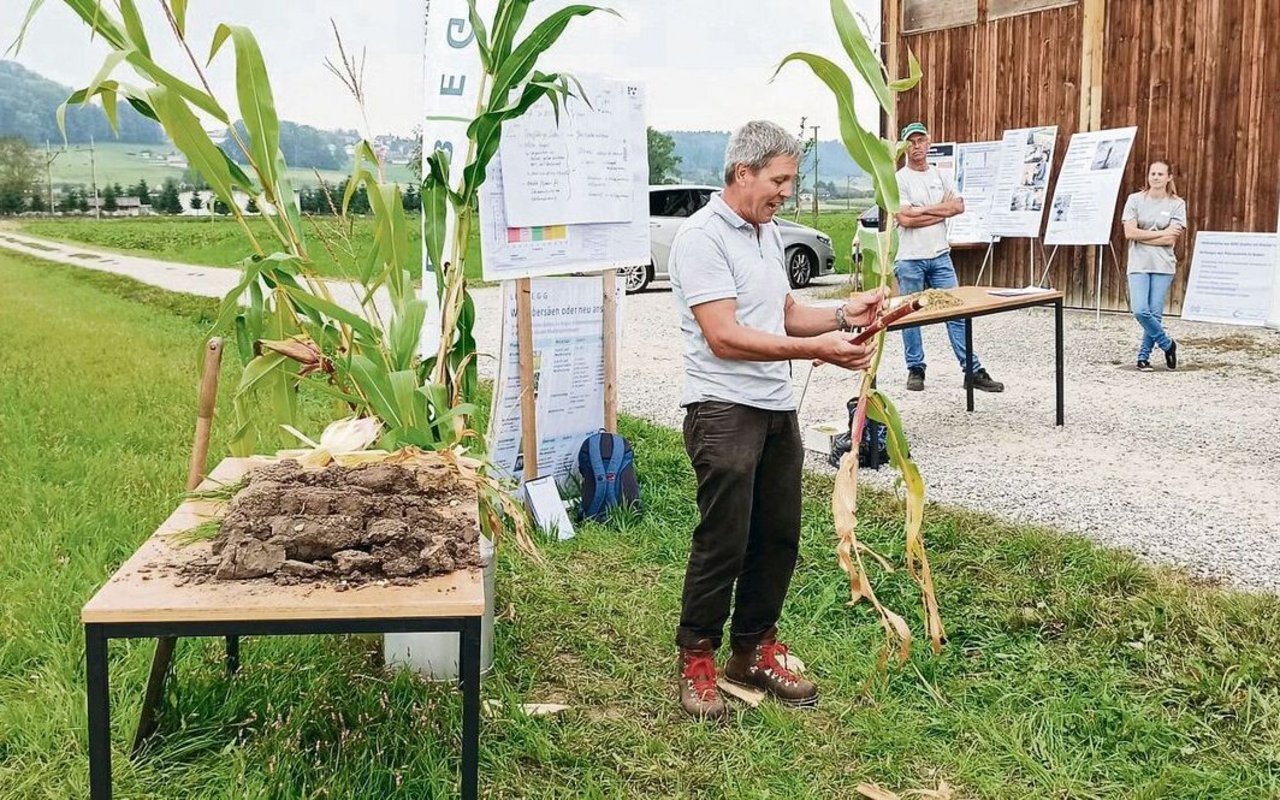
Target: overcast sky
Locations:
point(706, 64)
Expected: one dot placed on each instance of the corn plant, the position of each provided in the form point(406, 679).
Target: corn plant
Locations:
point(293, 334)
point(878, 157)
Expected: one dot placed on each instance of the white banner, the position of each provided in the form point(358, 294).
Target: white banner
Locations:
point(1084, 201)
point(1026, 160)
point(451, 73)
point(1233, 277)
point(512, 251)
point(977, 167)
point(568, 375)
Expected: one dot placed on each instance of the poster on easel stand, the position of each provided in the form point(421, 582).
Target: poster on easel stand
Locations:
point(977, 167)
point(568, 375)
point(1083, 209)
point(549, 241)
point(1233, 278)
point(1022, 181)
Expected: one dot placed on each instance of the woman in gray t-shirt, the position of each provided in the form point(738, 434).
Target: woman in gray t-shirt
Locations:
point(1154, 220)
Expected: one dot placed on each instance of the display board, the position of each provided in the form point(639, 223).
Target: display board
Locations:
point(1022, 181)
point(977, 167)
point(1084, 200)
point(575, 162)
point(568, 375)
point(1233, 277)
point(561, 248)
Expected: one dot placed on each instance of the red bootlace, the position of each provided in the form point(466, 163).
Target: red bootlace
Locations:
point(700, 671)
point(769, 660)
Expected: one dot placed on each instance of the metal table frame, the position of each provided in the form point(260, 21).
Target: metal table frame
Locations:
point(99, 634)
point(1031, 302)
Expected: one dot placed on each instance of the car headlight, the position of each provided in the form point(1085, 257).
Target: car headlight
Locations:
point(824, 239)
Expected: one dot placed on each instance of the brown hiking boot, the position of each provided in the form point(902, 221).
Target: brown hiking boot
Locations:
point(763, 667)
point(698, 693)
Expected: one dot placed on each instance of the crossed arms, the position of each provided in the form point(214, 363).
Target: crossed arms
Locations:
point(1162, 238)
point(923, 216)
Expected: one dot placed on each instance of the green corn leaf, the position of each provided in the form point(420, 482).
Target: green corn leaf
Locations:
point(404, 389)
point(315, 304)
point(869, 151)
point(133, 26)
point(512, 70)
point(482, 37)
point(509, 17)
point(189, 136)
point(258, 370)
point(191, 94)
point(435, 207)
point(286, 199)
point(914, 74)
point(109, 108)
point(405, 333)
point(180, 15)
point(15, 47)
point(865, 61)
point(257, 104)
point(374, 385)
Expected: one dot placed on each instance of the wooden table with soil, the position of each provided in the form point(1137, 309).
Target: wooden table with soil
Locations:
point(149, 597)
point(980, 301)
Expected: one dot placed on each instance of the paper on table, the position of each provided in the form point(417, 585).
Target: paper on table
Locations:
point(1018, 292)
point(542, 497)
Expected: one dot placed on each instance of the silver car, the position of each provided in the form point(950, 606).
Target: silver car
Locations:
point(808, 252)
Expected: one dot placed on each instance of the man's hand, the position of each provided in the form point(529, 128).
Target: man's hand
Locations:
point(861, 309)
point(838, 348)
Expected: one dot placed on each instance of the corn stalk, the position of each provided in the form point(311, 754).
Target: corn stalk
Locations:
point(293, 335)
point(878, 157)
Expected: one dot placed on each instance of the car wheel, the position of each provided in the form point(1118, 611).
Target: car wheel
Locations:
point(800, 262)
point(635, 279)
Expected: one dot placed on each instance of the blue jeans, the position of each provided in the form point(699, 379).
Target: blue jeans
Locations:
point(1147, 291)
point(930, 273)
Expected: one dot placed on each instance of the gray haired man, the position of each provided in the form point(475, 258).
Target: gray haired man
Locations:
point(741, 330)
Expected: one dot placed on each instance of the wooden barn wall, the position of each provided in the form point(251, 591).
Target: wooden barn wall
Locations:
point(1192, 76)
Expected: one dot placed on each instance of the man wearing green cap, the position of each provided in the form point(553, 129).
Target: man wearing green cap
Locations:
point(929, 199)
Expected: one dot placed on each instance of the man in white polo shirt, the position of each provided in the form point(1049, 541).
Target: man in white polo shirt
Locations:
point(741, 330)
point(929, 199)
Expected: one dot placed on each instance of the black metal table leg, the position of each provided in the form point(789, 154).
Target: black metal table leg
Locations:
point(233, 655)
point(95, 662)
point(469, 667)
point(1058, 358)
point(968, 362)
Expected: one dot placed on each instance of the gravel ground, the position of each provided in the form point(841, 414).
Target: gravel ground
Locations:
point(1179, 467)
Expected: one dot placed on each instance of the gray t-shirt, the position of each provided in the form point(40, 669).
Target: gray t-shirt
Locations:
point(1153, 214)
point(923, 188)
point(717, 255)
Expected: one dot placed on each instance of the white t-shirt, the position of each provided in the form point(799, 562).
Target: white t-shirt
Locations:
point(919, 188)
point(1153, 214)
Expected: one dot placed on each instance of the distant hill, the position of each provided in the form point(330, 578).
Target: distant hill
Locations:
point(28, 105)
point(702, 159)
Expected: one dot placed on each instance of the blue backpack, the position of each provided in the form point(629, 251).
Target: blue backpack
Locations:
point(607, 464)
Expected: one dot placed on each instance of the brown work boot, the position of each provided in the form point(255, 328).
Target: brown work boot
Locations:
point(763, 667)
point(698, 693)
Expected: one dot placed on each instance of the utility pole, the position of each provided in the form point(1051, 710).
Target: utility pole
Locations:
point(815, 171)
point(48, 171)
point(93, 174)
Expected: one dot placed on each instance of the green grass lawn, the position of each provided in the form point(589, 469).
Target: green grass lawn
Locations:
point(1071, 671)
point(126, 163)
point(220, 242)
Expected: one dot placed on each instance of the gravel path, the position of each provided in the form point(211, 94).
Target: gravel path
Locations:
point(1179, 467)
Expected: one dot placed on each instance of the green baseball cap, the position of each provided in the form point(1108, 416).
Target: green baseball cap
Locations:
point(914, 127)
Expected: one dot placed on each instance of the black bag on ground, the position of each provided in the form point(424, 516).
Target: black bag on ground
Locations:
point(873, 450)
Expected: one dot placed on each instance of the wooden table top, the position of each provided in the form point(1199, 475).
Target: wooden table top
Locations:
point(977, 300)
point(146, 588)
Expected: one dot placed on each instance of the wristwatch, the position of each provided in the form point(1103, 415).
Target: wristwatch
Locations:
point(841, 323)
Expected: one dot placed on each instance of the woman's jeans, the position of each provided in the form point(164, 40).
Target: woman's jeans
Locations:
point(1147, 291)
